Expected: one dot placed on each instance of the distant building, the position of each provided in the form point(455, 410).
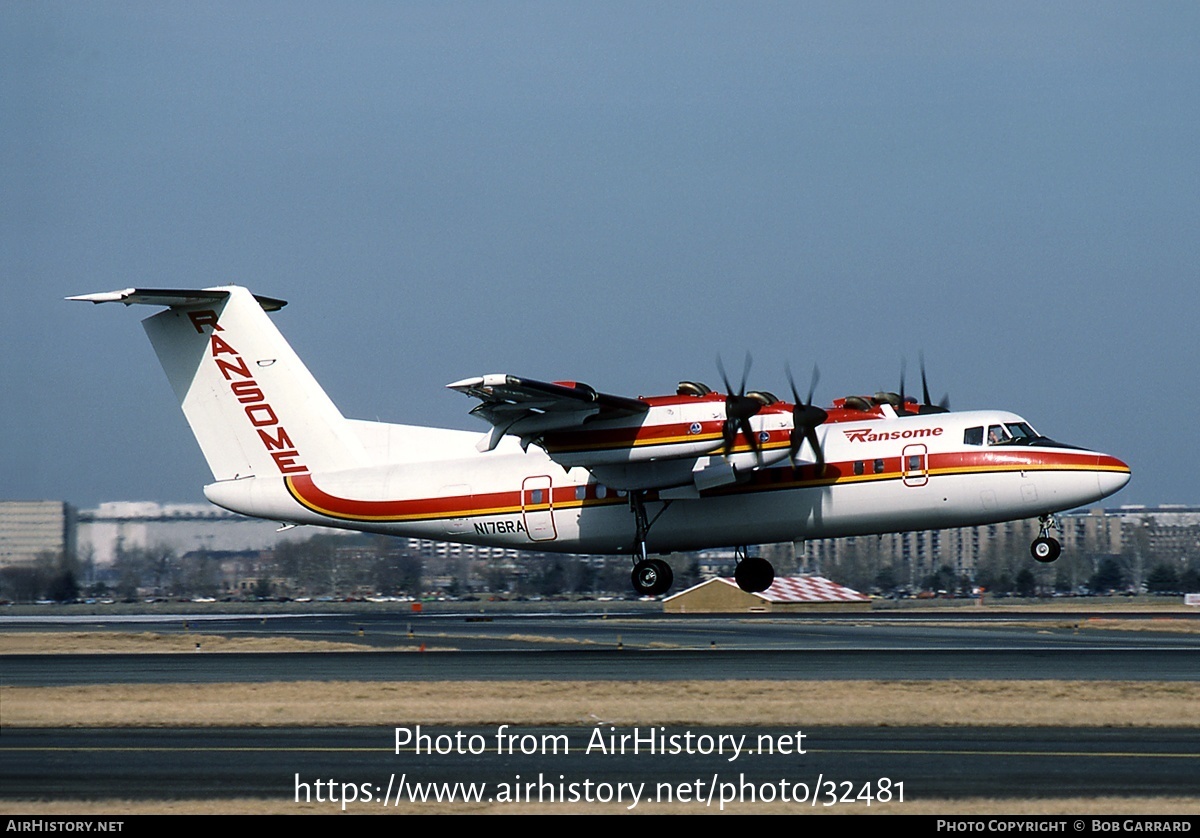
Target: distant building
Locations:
point(1149, 534)
point(1143, 537)
point(183, 527)
point(197, 527)
point(30, 528)
point(786, 594)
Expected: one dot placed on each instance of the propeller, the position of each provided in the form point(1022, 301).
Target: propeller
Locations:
point(900, 401)
point(805, 418)
point(927, 406)
point(739, 407)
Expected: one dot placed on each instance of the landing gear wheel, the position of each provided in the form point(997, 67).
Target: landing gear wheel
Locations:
point(754, 575)
point(1045, 549)
point(652, 577)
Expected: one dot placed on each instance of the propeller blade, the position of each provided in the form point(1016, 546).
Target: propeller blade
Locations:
point(927, 405)
point(805, 419)
point(811, 435)
point(752, 438)
point(739, 408)
point(924, 383)
point(724, 377)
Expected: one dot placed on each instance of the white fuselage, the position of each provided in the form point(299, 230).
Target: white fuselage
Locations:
point(881, 475)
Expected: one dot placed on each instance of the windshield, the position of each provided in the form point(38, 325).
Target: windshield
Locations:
point(1011, 433)
point(1019, 432)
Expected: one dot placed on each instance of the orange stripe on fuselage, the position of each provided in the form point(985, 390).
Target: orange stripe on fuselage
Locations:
point(305, 491)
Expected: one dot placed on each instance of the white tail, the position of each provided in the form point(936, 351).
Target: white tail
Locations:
point(253, 406)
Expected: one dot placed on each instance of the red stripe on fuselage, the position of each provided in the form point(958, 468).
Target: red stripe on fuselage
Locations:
point(1049, 459)
point(305, 491)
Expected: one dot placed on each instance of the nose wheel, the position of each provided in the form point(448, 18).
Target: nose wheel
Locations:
point(1046, 548)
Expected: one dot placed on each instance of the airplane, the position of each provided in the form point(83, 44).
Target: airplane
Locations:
point(566, 468)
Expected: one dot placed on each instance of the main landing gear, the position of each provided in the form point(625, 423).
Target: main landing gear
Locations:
point(753, 574)
point(653, 577)
point(1046, 548)
point(650, 577)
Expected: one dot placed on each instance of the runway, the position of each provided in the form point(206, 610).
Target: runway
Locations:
point(1128, 664)
point(469, 646)
point(840, 766)
point(916, 763)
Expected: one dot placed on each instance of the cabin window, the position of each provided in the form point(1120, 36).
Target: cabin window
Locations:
point(973, 436)
point(914, 462)
point(879, 466)
point(535, 497)
point(859, 467)
point(601, 491)
point(580, 492)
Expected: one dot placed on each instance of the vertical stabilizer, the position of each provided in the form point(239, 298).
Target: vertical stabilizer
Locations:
point(253, 406)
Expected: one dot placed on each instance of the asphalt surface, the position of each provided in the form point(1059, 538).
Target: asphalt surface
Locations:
point(603, 647)
point(1132, 664)
point(845, 767)
point(842, 767)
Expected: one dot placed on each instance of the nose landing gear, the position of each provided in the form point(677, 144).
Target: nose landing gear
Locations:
point(1045, 548)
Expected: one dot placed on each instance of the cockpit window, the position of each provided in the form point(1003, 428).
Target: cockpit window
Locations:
point(1012, 433)
point(1021, 433)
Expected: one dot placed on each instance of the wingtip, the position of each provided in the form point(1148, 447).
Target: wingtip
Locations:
point(491, 380)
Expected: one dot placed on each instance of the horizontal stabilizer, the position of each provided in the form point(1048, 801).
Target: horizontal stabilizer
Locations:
point(171, 297)
point(253, 406)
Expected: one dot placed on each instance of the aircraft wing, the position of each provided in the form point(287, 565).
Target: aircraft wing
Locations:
point(527, 408)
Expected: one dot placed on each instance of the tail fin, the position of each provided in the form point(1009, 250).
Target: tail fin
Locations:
point(253, 406)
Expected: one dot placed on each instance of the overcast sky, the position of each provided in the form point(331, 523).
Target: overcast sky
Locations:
point(608, 192)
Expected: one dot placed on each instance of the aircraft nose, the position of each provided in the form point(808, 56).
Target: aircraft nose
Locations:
point(1112, 476)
